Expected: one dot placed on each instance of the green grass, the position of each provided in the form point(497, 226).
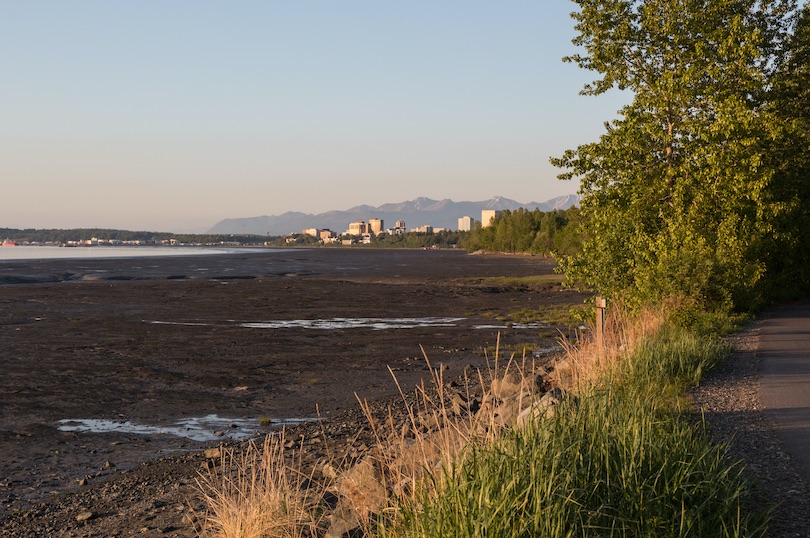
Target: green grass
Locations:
point(517, 350)
point(533, 281)
point(620, 461)
point(566, 314)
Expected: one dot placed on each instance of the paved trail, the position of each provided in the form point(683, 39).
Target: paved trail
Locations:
point(784, 348)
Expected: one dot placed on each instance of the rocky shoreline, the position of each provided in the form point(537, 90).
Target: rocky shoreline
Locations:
point(163, 497)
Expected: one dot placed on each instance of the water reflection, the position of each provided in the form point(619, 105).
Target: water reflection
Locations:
point(207, 428)
point(375, 324)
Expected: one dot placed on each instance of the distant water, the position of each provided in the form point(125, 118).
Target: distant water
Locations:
point(49, 253)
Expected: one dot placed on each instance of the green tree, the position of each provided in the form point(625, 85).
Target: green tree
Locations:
point(535, 232)
point(788, 255)
point(677, 191)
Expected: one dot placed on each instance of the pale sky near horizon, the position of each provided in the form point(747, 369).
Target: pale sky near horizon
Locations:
point(173, 115)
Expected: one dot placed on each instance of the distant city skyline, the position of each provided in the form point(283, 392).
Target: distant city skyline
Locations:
point(419, 212)
point(174, 116)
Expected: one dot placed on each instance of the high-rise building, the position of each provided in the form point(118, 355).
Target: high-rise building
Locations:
point(398, 229)
point(487, 216)
point(375, 226)
point(357, 228)
point(465, 223)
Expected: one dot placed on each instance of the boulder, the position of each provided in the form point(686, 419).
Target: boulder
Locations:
point(542, 408)
point(361, 496)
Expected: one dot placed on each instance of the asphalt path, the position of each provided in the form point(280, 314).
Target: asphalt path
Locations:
point(784, 348)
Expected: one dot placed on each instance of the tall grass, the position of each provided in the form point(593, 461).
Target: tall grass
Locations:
point(603, 467)
point(616, 458)
point(256, 493)
point(617, 461)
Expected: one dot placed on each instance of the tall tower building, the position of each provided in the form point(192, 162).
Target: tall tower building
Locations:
point(375, 226)
point(465, 223)
point(487, 216)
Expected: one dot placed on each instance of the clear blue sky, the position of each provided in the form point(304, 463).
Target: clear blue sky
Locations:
point(172, 115)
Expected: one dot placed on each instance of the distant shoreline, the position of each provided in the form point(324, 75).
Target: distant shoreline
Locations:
point(50, 252)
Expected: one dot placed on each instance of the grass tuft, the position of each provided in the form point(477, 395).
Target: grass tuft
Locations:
point(253, 493)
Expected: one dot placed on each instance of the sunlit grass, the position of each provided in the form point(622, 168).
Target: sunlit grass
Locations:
point(255, 493)
point(565, 315)
point(620, 460)
point(616, 458)
point(532, 281)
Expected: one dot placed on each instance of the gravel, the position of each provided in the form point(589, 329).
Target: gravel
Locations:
point(730, 402)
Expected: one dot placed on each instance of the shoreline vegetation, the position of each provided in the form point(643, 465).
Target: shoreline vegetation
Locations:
point(598, 442)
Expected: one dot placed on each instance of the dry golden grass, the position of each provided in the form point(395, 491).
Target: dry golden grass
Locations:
point(442, 427)
point(586, 361)
point(254, 493)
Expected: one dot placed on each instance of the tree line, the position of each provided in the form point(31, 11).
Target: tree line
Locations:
point(536, 232)
point(31, 235)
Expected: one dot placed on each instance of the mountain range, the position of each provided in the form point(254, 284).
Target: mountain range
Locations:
point(415, 213)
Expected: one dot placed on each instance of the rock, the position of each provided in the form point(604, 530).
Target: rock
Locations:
point(507, 385)
point(213, 453)
point(554, 396)
point(360, 486)
point(459, 404)
point(328, 471)
point(563, 366)
point(84, 516)
point(342, 521)
point(544, 407)
point(361, 496)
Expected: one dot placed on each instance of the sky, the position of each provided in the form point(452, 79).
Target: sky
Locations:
point(170, 115)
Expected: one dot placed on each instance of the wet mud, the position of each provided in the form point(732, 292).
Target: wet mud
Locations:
point(109, 363)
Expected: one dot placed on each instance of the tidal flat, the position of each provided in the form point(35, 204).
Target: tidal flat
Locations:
point(255, 339)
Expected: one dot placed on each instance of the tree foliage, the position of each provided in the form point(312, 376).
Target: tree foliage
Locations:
point(535, 232)
point(680, 193)
point(442, 239)
point(789, 255)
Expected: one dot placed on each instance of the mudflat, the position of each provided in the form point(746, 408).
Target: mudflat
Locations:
point(110, 363)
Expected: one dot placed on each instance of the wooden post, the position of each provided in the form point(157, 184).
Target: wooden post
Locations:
point(601, 304)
